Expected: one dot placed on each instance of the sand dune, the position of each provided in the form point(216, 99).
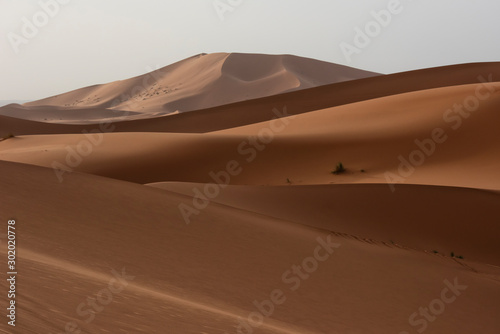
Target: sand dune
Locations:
point(427, 218)
point(199, 82)
point(6, 102)
point(55, 114)
point(365, 250)
point(261, 109)
point(181, 272)
point(372, 136)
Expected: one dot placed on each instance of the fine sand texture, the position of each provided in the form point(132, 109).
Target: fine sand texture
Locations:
point(245, 193)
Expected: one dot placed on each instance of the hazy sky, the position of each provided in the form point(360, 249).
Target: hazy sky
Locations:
point(85, 42)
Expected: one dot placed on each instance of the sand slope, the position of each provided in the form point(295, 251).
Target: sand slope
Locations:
point(372, 136)
point(199, 82)
point(428, 218)
point(202, 277)
point(261, 109)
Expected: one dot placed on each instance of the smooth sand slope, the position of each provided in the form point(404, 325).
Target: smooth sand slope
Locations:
point(427, 218)
point(373, 136)
point(199, 82)
point(204, 277)
point(261, 109)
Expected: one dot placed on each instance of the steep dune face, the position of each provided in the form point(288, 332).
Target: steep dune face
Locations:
point(198, 82)
point(90, 238)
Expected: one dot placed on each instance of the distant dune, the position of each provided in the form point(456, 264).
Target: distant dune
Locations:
point(7, 102)
point(199, 82)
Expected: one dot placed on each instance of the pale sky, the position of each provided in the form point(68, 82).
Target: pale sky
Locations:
point(86, 42)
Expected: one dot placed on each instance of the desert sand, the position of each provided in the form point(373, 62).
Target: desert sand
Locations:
point(199, 82)
point(213, 207)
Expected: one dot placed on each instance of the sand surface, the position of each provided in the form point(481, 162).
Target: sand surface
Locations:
point(218, 197)
point(199, 82)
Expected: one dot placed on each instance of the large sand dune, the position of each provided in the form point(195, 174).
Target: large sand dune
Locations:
point(101, 190)
point(195, 83)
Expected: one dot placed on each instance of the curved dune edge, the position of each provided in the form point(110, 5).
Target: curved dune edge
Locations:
point(262, 109)
point(423, 217)
point(391, 140)
point(188, 259)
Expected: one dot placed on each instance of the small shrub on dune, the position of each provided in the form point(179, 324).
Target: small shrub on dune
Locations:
point(339, 169)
